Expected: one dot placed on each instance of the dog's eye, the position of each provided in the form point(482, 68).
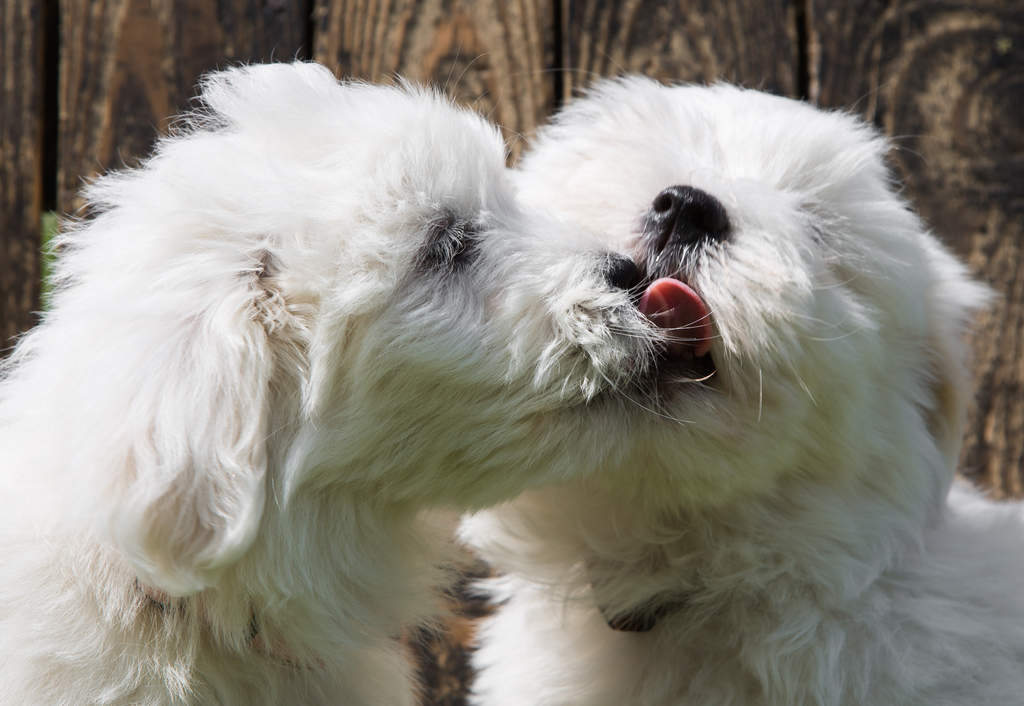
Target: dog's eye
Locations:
point(450, 244)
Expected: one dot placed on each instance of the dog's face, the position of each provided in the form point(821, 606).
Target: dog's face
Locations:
point(780, 310)
point(313, 287)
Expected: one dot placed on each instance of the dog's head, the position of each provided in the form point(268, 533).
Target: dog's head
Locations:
point(779, 308)
point(312, 285)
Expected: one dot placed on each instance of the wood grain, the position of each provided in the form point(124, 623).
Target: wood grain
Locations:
point(492, 55)
point(127, 65)
point(752, 43)
point(946, 80)
point(21, 163)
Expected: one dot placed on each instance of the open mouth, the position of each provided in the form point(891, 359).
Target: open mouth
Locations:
point(681, 314)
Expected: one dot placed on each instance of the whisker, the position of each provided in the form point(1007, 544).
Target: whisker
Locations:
point(645, 408)
point(695, 380)
point(760, 393)
point(835, 338)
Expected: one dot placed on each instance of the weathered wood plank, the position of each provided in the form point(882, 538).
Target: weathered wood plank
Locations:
point(752, 43)
point(21, 163)
point(127, 65)
point(946, 80)
point(492, 55)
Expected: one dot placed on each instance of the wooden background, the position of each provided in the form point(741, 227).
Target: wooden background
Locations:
point(86, 85)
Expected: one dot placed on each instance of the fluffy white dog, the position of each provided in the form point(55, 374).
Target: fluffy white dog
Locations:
point(316, 311)
point(772, 521)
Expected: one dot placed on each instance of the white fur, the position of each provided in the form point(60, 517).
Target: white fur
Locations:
point(798, 505)
point(218, 446)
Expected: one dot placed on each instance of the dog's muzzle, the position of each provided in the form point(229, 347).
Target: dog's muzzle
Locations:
point(680, 222)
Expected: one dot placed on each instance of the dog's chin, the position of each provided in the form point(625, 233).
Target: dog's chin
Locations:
point(662, 379)
point(672, 370)
point(671, 376)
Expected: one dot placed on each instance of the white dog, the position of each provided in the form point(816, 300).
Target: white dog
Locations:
point(772, 521)
point(316, 311)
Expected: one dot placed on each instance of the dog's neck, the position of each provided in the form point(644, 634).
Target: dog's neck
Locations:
point(833, 539)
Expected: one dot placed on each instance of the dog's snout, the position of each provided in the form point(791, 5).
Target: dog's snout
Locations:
point(622, 273)
point(684, 214)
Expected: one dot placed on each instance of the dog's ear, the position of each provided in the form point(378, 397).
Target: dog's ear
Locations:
point(955, 299)
point(183, 491)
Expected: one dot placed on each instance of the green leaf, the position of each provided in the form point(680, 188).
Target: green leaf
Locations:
point(49, 229)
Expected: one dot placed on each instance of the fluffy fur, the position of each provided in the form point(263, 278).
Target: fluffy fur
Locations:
point(791, 521)
point(314, 313)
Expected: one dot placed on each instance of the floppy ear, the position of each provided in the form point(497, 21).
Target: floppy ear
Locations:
point(193, 492)
point(164, 380)
point(954, 300)
point(164, 330)
point(187, 325)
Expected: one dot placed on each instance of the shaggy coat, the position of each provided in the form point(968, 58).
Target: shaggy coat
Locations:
point(313, 315)
point(775, 517)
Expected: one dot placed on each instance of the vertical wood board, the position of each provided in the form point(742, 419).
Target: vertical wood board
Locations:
point(21, 163)
point(491, 55)
point(945, 80)
point(752, 43)
point(126, 66)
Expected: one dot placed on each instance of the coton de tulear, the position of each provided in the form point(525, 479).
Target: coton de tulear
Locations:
point(315, 313)
point(772, 518)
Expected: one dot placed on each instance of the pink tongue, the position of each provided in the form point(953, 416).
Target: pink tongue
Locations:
point(671, 304)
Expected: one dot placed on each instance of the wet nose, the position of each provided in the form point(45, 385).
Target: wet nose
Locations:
point(621, 272)
point(684, 214)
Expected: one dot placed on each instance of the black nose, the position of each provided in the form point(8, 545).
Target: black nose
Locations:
point(683, 214)
point(622, 272)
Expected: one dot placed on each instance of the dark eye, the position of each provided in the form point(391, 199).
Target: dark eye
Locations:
point(450, 244)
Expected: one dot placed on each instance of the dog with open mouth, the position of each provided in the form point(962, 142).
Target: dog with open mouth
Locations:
point(772, 517)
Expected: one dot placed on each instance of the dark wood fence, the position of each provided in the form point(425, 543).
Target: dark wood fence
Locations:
point(86, 84)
